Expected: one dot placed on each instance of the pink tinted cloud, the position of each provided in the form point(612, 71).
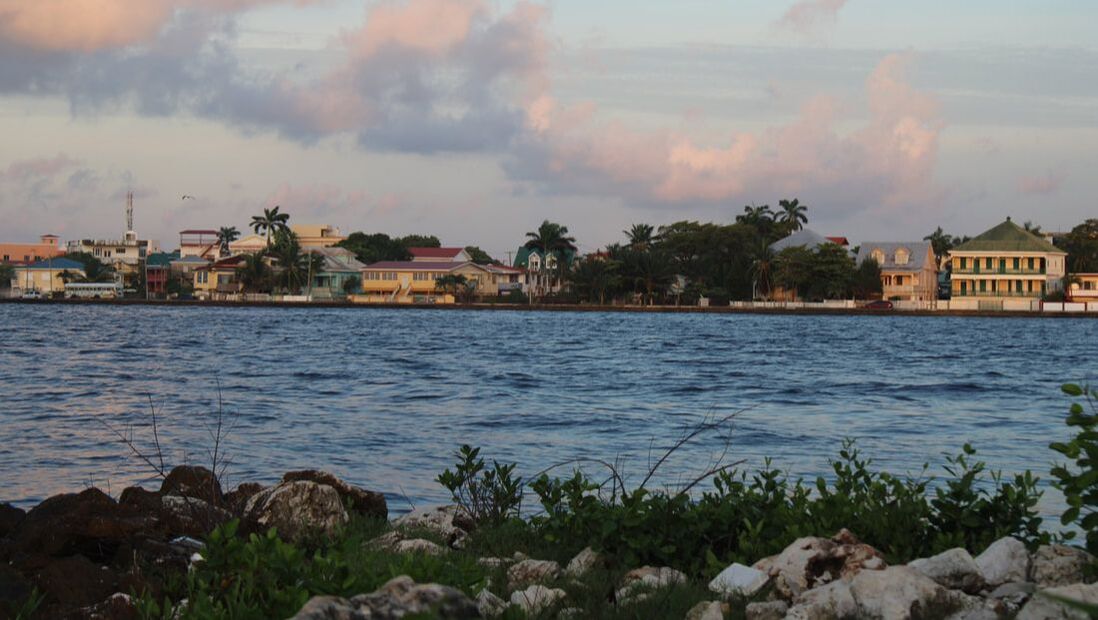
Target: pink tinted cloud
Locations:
point(1048, 183)
point(40, 167)
point(433, 27)
point(90, 25)
point(888, 160)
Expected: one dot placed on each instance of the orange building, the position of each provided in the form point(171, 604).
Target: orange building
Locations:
point(48, 246)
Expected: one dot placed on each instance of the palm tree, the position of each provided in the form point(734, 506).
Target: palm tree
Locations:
point(640, 236)
point(941, 244)
point(225, 236)
point(270, 222)
point(594, 277)
point(793, 214)
point(756, 216)
point(255, 274)
point(295, 267)
point(551, 240)
point(762, 265)
point(1031, 228)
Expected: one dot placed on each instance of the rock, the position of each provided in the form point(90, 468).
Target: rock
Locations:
point(489, 605)
point(834, 601)
point(537, 598)
point(584, 561)
point(954, 569)
point(190, 516)
point(361, 501)
point(450, 522)
point(901, 593)
point(388, 540)
point(398, 598)
point(640, 580)
point(76, 581)
point(1003, 561)
point(1041, 607)
point(236, 499)
point(419, 545)
point(528, 572)
point(738, 579)
point(1012, 596)
point(193, 481)
point(297, 509)
point(766, 610)
point(118, 606)
point(812, 561)
point(10, 516)
point(88, 523)
point(1059, 565)
point(706, 610)
point(490, 562)
point(144, 500)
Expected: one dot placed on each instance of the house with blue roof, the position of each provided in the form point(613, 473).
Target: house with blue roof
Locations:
point(46, 276)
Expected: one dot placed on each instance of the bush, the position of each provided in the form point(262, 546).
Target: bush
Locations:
point(488, 495)
point(1079, 480)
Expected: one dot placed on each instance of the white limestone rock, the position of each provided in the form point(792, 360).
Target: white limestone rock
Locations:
point(738, 579)
point(1059, 565)
point(583, 562)
point(766, 610)
point(1005, 560)
point(954, 569)
point(1041, 607)
point(489, 605)
point(536, 598)
point(528, 572)
point(705, 610)
point(834, 601)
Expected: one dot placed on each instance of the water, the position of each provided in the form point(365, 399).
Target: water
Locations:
point(383, 397)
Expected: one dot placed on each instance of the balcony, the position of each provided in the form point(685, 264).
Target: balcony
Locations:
point(1004, 294)
point(977, 270)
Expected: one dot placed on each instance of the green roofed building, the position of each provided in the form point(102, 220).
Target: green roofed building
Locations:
point(1006, 262)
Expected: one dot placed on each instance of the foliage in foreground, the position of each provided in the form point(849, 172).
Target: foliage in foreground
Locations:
point(742, 517)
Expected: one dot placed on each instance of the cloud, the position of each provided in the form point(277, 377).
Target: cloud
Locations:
point(91, 25)
point(806, 16)
point(1048, 183)
point(887, 161)
point(42, 167)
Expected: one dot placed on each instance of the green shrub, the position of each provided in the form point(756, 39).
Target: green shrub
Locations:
point(488, 495)
point(1078, 481)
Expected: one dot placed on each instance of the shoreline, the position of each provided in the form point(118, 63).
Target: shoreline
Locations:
point(582, 308)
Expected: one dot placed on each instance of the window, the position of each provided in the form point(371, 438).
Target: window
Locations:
point(26, 258)
point(1017, 263)
point(1030, 263)
point(987, 263)
point(202, 277)
point(902, 256)
point(6, 258)
point(879, 256)
point(389, 275)
point(983, 285)
point(422, 275)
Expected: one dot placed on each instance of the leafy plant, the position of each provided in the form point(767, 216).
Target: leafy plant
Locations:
point(1078, 481)
point(487, 494)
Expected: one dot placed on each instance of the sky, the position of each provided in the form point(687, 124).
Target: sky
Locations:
point(475, 120)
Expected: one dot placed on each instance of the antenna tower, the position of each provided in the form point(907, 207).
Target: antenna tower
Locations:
point(129, 211)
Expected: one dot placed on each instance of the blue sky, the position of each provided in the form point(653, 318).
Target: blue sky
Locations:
point(475, 121)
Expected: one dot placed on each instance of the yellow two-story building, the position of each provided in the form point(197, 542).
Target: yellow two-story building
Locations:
point(1006, 262)
point(413, 281)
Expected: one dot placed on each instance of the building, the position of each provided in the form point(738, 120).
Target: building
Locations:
point(340, 268)
point(440, 255)
point(909, 271)
point(158, 268)
point(46, 276)
point(414, 281)
point(505, 279)
point(125, 255)
point(542, 273)
point(200, 243)
point(48, 246)
point(316, 235)
point(219, 279)
point(1084, 287)
point(248, 244)
point(1006, 262)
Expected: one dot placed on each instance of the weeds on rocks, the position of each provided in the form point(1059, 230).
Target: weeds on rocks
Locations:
point(1078, 481)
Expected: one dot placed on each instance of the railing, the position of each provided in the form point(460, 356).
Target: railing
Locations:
point(1031, 294)
point(1022, 271)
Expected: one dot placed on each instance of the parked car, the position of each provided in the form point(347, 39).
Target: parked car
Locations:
point(880, 304)
point(32, 294)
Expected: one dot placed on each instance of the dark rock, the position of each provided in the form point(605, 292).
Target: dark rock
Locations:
point(189, 516)
point(76, 581)
point(88, 523)
point(143, 499)
point(365, 503)
point(193, 481)
point(236, 499)
point(10, 516)
point(14, 590)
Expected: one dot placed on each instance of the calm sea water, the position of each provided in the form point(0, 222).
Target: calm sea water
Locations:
point(384, 397)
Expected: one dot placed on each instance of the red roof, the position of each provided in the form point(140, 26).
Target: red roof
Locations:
point(435, 252)
point(198, 232)
point(839, 240)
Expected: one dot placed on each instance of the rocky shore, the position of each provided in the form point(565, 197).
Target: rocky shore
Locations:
point(88, 555)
